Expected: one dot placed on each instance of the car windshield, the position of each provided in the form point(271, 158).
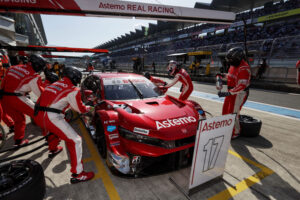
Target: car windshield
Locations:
point(129, 88)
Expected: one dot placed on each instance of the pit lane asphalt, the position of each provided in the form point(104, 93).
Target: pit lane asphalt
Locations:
point(266, 167)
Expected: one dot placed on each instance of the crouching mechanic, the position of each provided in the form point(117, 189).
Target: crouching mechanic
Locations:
point(20, 80)
point(238, 82)
point(49, 115)
point(182, 76)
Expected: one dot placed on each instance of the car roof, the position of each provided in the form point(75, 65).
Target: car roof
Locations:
point(115, 75)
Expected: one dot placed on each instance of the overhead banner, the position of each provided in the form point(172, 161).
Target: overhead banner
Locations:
point(279, 15)
point(52, 49)
point(118, 9)
point(211, 149)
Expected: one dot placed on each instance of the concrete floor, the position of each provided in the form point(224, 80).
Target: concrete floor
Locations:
point(266, 167)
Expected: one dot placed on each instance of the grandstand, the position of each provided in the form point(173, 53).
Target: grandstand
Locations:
point(273, 29)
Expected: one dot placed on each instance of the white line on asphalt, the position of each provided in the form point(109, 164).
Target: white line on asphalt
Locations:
point(284, 116)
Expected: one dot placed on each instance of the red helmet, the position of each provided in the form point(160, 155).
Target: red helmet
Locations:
point(172, 67)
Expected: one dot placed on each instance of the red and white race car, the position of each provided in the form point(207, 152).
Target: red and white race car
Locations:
point(137, 125)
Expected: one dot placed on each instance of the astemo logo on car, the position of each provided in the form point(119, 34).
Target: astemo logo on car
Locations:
point(174, 122)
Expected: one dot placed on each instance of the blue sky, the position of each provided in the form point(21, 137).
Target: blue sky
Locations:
point(88, 32)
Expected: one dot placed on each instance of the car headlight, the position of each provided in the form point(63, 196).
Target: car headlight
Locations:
point(120, 162)
point(145, 139)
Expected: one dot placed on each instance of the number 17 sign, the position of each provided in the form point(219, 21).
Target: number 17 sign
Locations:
point(211, 149)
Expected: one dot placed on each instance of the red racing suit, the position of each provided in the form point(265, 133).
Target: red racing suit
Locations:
point(238, 81)
point(298, 72)
point(60, 95)
point(19, 80)
point(187, 84)
point(157, 81)
point(90, 69)
point(4, 116)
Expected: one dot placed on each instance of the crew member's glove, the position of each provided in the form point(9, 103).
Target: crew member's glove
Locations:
point(224, 94)
point(220, 74)
point(92, 109)
point(163, 89)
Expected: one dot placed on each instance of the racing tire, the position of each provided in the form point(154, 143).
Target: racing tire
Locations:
point(3, 137)
point(250, 127)
point(22, 179)
point(100, 139)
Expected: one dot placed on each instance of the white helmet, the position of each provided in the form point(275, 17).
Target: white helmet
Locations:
point(172, 67)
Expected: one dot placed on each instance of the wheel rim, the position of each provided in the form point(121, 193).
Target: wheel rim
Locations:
point(13, 174)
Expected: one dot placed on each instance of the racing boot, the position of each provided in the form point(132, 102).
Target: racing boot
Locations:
point(53, 153)
point(20, 142)
point(235, 135)
point(83, 176)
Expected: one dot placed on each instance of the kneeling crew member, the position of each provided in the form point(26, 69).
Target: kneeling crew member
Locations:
point(49, 115)
point(238, 82)
point(182, 76)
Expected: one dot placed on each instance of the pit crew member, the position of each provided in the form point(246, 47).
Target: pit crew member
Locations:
point(298, 72)
point(182, 76)
point(90, 68)
point(49, 115)
point(238, 82)
point(4, 116)
point(20, 80)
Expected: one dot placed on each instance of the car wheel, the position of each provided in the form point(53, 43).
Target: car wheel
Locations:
point(250, 127)
point(22, 179)
point(100, 139)
point(2, 137)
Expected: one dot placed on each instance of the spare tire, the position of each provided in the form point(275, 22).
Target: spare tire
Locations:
point(250, 127)
point(22, 179)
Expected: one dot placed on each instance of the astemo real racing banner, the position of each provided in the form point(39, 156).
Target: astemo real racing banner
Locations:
point(116, 8)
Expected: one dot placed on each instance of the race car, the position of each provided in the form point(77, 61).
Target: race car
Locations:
point(137, 125)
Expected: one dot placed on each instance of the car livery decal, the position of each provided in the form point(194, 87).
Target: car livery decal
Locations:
point(114, 144)
point(141, 131)
point(120, 81)
point(111, 128)
point(174, 122)
point(113, 136)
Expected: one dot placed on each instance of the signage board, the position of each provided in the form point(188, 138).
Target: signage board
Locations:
point(117, 8)
point(278, 15)
point(211, 149)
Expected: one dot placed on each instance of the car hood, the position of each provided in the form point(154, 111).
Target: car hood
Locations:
point(159, 117)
